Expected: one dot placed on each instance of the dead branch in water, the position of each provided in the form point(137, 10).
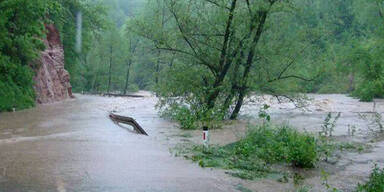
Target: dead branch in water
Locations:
point(129, 121)
point(121, 95)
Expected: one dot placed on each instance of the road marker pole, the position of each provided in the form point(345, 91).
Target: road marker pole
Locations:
point(205, 136)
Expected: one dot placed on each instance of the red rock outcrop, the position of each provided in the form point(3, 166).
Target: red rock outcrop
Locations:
point(51, 79)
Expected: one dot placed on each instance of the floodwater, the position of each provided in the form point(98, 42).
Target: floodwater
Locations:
point(73, 146)
point(355, 124)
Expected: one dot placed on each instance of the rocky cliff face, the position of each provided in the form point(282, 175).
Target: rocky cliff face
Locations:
point(52, 80)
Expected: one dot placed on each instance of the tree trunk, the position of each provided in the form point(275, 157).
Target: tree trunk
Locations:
point(238, 106)
point(223, 65)
point(129, 121)
point(127, 77)
point(247, 70)
point(157, 68)
point(351, 86)
point(110, 70)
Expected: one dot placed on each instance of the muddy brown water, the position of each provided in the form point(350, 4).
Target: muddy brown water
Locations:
point(350, 168)
point(73, 146)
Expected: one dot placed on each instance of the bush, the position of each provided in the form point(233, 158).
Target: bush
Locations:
point(369, 60)
point(182, 115)
point(375, 183)
point(133, 87)
point(191, 116)
point(368, 90)
point(16, 87)
point(264, 145)
point(302, 150)
point(280, 144)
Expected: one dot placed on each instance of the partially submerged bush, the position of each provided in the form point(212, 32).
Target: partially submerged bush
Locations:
point(370, 89)
point(375, 183)
point(182, 115)
point(279, 144)
point(190, 117)
point(264, 145)
point(369, 60)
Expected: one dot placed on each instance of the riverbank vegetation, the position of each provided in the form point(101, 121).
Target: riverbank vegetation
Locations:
point(213, 54)
point(375, 182)
point(269, 150)
point(204, 58)
point(210, 55)
point(252, 156)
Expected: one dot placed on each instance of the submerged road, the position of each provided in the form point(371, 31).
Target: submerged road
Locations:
point(73, 146)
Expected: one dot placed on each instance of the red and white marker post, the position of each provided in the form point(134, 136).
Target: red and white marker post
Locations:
point(205, 136)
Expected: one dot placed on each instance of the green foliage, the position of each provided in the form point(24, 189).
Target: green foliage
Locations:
point(93, 22)
point(182, 115)
point(375, 182)
point(264, 145)
point(21, 28)
point(368, 90)
point(115, 60)
point(304, 189)
point(329, 124)
point(217, 56)
point(370, 63)
point(16, 89)
point(133, 88)
point(282, 144)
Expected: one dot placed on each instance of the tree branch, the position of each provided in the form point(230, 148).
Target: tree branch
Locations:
point(217, 4)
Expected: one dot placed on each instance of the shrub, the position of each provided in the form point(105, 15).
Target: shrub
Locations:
point(182, 115)
point(280, 144)
point(133, 87)
point(264, 145)
point(368, 90)
point(302, 150)
point(190, 116)
point(375, 183)
point(371, 70)
point(16, 87)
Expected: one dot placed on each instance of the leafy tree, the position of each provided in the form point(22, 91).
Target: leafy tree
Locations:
point(21, 28)
point(222, 52)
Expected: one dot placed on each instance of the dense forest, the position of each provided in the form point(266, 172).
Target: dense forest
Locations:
point(202, 58)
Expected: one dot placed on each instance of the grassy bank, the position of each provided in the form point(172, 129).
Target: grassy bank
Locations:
point(268, 150)
point(252, 156)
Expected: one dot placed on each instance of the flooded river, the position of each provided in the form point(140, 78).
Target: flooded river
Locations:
point(73, 146)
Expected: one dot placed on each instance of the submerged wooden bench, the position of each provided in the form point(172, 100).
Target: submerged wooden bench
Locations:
point(129, 121)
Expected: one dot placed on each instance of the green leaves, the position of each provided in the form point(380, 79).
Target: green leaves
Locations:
point(252, 156)
point(21, 31)
point(375, 183)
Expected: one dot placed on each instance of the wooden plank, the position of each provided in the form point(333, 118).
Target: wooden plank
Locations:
point(128, 121)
